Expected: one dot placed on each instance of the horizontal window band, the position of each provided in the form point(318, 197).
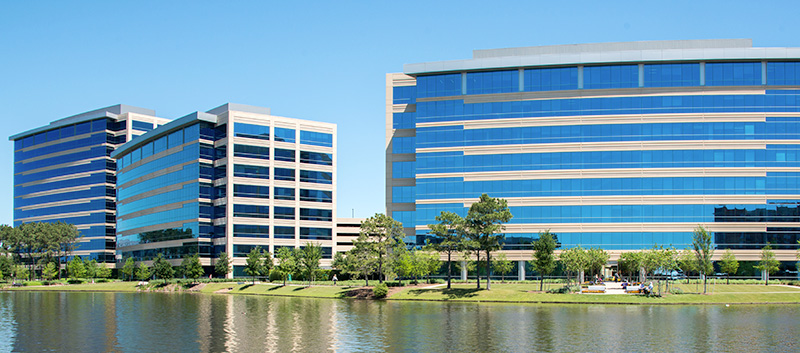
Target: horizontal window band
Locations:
point(624, 200)
point(656, 227)
point(682, 145)
point(63, 203)
point(610, 173)
point(611, 119)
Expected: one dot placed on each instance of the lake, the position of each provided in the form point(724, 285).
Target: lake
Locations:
point(183, 322)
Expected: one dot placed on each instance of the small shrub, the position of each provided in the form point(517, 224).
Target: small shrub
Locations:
point(676, 290)
point(561, 290)
point(380, 291)
point(394, 284)
point(32, 283)
point(102, 280)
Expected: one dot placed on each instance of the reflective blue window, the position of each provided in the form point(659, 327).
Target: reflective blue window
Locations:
point(403, 193)
point(492, 82)
point(403, 144)
point(252, 211)
point(316, 195)
point(284, 174)
point(556, 79)
point(254, 191)
point(250, 171)
point(316, 158)
point(403, 169)
point(284, 155)
point(284, 232)
point(251, 131)
point(316, 138)
point(284, 135)
point(403, 120)
point(404, 95)
point(733, 74)
point(316, 233)
point(614, 76)
point(284, 194)
point(250, 231)
point(671, 75)
point(141, 125)
point(313, 214)
point(783, 73)
point(283, 212)
point(248, 151)
point(438, 85)
point(311, 176)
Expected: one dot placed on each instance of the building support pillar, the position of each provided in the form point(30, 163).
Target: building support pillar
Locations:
point(463, 270)
point(521, 270)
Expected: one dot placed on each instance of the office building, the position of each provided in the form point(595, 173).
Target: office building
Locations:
point(615, 145)
point(227, 180)
point(63, 172)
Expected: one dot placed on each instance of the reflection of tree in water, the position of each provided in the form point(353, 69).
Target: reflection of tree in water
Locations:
point(165, 234)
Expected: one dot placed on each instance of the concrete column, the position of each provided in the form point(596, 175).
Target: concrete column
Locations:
point(521, 270)
point(764, 275)
point(463, 270)
point(580, 276)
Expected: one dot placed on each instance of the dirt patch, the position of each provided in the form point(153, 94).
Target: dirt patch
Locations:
point(360, 293)
point(224, 290)
point(197, 287)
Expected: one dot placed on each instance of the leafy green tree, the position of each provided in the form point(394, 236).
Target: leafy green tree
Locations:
point(287, 262)
point(142, 272)
point(268, 263)
point(191, 267)
point(129, 268)
point(162, 268)
point(254, 265)
point(6, 266)
point(544, 261)
point(703, 251)
point(223, 265)
point(91, 268)
point(20, 271)
point(76, 268)
point(450, 232)
point(502, 265)
point(430, 263)
point(309, 258)
point(383, 235)
point(768, 263)
point(103, 272)
point(729, 264)
point(49, 271)
point(574, 260)
point(630, 263)
point(484, 224)
point(597, 260)
point(687, 262)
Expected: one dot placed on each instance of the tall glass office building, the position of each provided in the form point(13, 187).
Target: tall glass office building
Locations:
point(618, 145)
point(227, 180)
point(64, 172)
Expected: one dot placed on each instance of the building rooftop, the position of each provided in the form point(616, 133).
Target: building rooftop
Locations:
point(601, 53)
point(108, 112)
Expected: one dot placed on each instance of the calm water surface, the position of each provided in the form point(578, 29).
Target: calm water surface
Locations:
point(156, 322)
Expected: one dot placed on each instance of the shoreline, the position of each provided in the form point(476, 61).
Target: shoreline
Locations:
point(509, 294)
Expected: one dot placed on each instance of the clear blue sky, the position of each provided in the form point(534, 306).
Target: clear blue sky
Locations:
point(321, 61)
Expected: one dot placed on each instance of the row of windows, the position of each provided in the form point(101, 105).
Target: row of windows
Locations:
point(187, 192)
point(283, 155)
point(189, 172)
point(91, 153)
point(600, 77)
point(306, 214)
point(98, 165)
point(189, 211)
point(404, 169)
point(447, 188)
point(188, 232)
point(263, 132)
point(256, 191)
point(457, 110)
point(433, 163)
point(141, 125)
point(176, 138)
point(94, 191)
point(92, 218)
point(64, 132)
point(87, 141)
point(92, 205)
point(97, 178)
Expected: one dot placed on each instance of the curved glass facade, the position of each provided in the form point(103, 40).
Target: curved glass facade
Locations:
point(617, 155)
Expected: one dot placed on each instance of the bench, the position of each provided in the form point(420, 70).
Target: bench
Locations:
point(633, 289)
point(594, 289)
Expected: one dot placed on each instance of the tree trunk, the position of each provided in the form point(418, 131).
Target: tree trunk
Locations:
point(380, 269)
point(541, 283)
point(705, 281)
point(728, 280)
point(478, 270)
point(488, 270)
point(449, 269)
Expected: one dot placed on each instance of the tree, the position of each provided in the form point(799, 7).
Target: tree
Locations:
point(162, 268)
point(191, 267)
point(49, 270)
point(484, 223)
point(502, 265)
point(142, 272)
point(768, 263)
point(103, 272)
point(450, 231)
point(129, 268)
point(223, 265)
point(254, 266)
point(75, 268)
point(703, 251)
point(268, 263)
point(430, 263)
point(597, 260)
point(91, 268)
point(309, 260)
point(729, 264)
point(544, 261)
point(630, 263)
point(687, 262)
point(287, 262)
point(574, 259)
point(383, 234)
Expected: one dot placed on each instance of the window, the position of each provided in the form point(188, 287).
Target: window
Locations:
point(316, 158)
point(284, 232)
point(284, 155)
point(284, 194)
point(284, 212)
point(316, 195)
point(313, 214)
point(254, 191)
point(316, 138)
point(733, 74)
point(315, 233)
point(252, 211)
point(251, 131)
point(284, 135)
point(250, 171)
point(250, 231)
point(310, 176)
point(492, 82)
point(284, 174)
point(141, 125)
point(248, 151)
point(614, 76)
point(555, 79)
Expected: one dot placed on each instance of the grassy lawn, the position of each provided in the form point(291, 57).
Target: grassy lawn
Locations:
point(84, 287)
point(522, 293)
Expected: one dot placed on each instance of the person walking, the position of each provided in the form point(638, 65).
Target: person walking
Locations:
point(334, 280)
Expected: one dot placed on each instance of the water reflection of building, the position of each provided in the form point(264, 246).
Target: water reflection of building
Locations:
point(227, 180)
point(616, 145)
